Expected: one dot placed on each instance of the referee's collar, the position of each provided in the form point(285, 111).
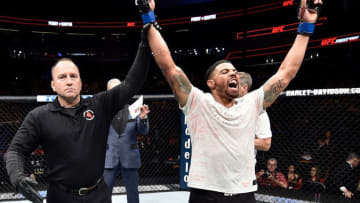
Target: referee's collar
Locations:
point(55, 105)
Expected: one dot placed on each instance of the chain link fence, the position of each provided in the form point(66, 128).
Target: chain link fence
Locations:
point(314, 135)
point(308, 131)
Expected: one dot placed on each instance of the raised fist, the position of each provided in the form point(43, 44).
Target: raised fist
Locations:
point(143, 6)
point(309, 10)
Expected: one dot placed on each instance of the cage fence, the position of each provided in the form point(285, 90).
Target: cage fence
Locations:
point(309, 131)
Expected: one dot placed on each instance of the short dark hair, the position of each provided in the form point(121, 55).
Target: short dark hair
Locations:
point(273, 159)
point(212, 68)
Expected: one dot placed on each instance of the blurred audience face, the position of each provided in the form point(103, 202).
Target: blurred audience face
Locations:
point(313, 171)
point(328, 134)
point(355, 163)
point(272, 165)
point(291, 169)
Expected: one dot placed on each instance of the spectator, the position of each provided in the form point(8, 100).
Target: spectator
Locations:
point(314, 183)
point(271, 177)
point(294, 180)
point(315, 175)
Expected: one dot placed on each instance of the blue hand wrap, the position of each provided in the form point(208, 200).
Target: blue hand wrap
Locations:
point(306, 28)
point(148, 17)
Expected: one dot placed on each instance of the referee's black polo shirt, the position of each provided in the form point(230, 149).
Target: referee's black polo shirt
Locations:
point(74, 140)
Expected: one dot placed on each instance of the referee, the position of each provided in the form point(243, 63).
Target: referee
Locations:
point(73, 132)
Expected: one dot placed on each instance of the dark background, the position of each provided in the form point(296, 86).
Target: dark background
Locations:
point(28, 50)
point(27, 54)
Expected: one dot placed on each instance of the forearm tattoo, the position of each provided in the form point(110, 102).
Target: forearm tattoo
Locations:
point(275, 90)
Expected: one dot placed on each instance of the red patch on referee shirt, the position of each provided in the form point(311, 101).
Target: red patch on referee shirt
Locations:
point(89, 115)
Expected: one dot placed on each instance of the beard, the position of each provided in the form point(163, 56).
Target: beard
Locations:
point(232, 94)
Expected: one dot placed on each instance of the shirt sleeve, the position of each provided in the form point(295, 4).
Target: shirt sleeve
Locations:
point(193, 101)
point(25, 141)
point(263, 129)
point(281, 177)
point(258, 96)
point(142, 125)
point(114, 99)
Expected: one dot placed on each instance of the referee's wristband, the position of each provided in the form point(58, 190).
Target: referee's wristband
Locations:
point(306, 28)
point(148, 17)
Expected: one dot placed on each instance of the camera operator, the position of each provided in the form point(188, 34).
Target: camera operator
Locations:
point(270, 177)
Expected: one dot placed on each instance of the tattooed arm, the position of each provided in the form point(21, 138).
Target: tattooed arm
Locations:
point(287, 71)
point(292, 62)
point(176, 78)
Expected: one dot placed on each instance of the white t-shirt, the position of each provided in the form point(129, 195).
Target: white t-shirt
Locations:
point(263, 129)
point(222, 157)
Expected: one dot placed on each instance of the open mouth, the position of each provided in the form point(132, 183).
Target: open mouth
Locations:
point(233, 84)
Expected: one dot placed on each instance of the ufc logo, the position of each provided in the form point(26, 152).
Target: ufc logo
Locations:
point(278, 29)
point(288, 3)
point(130, 24)
point(326, 42)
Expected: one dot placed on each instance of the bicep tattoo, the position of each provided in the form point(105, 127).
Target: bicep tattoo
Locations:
point(182, 84)
point(179, 83)
point(273, 92)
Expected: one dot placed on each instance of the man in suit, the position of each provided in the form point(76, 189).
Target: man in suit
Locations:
point(122, 153)
point(343, 179)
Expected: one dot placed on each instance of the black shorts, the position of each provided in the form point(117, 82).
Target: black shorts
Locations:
point(207, 196)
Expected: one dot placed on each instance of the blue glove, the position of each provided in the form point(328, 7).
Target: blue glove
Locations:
point(148, 15)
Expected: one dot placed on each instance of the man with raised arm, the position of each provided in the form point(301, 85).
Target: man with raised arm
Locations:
point(221, 125)
point(73, 132)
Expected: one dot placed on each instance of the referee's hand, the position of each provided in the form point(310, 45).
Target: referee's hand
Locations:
point(25, 187)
